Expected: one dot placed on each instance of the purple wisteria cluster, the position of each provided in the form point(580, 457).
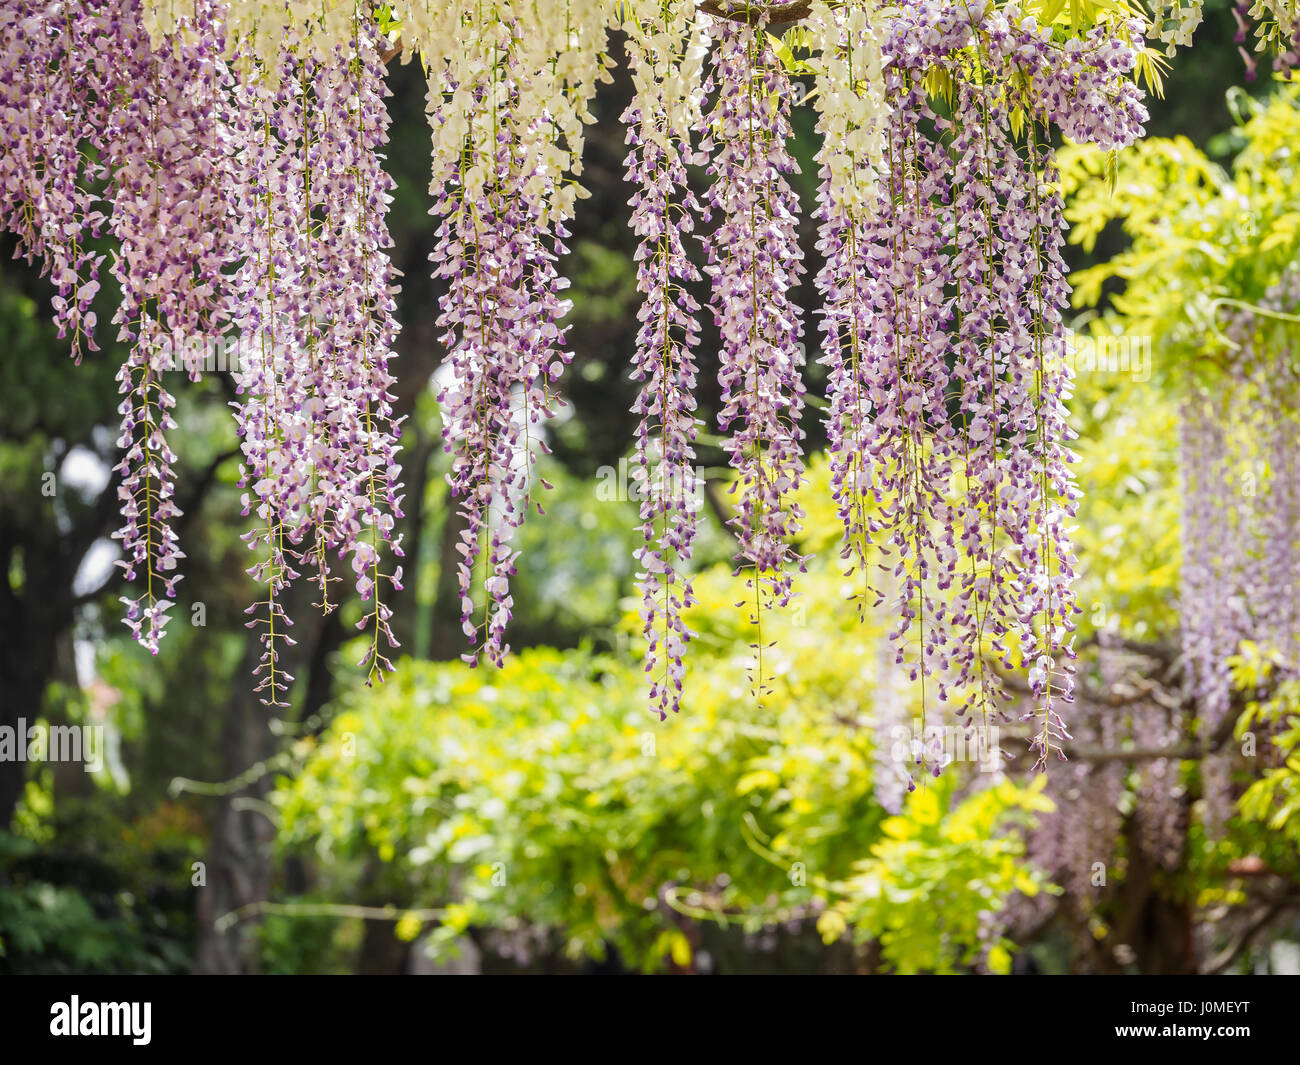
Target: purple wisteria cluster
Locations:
point(55, 78)
point(167, 214)
point(313, 300)
point(108, 133)
point(945, 340)
point(754, 262)
point(240, 195)
point(1212, 605)
point(851, 159)
point(1241, 507)
point(659, 125)
point(498, 246)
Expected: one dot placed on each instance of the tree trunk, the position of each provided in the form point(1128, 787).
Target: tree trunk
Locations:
point(238, 865)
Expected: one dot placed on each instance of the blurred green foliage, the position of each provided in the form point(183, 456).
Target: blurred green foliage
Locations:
point(541, 794)
point(100, 895)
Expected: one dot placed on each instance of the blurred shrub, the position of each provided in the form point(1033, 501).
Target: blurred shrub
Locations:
point(542, 797)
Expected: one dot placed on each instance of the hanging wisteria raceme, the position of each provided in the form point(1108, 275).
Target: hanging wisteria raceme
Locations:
point(1082, 88)
point(1279, 570)
point(904, 740)
point(906, 376)
point(962, 362)
point(1211, 606)
point(1011, 380)
point(903, 257)
point(474, 258)
point(498, 243)
point(168, 218)
point(1267, 411)
point(1046, 554)
point(667, 44)
point(851, 118)
point(313, 300)
point(848, 63)
point(992, 393)
point(1175, 22)
point(1241, 505)
point(1277, 31)
point(56, 69)
point(358, 424)
point(561, 44)
point(261, 125)
point(891, 780)
point(557, 58)
point(1264, 416)
point(754, 262)
point(562, 47)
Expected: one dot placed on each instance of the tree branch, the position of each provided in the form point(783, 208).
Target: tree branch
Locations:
point(199, 489)
point(325, 909)
point(774, 13)
point(1166, 653)
point(1235, 949)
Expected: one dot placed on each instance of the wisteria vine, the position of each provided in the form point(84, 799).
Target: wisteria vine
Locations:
point(234, 150)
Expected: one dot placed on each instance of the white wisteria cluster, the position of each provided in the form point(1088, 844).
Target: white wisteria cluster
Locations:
point(1175, 23)
point(848, 64)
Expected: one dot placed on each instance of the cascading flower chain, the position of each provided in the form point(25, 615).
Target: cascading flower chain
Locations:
point(667, 44)
point(754, 263)
point(234, 151)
